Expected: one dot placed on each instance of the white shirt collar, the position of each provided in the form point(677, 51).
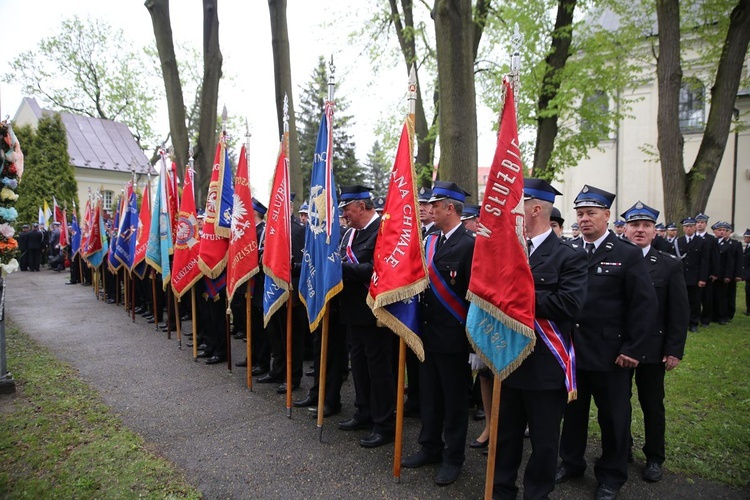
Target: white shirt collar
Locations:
point(646, 250)
point(538, 240)
point(450, 233)
point(374, 218)
point(599, 241)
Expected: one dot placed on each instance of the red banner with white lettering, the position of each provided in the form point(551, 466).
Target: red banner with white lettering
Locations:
point(243, 245)
point(213, 250)
point(399, 269)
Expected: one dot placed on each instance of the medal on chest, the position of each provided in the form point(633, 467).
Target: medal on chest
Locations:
point(453, 277)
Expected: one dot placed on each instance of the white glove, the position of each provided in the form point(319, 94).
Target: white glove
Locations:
point(476, 362)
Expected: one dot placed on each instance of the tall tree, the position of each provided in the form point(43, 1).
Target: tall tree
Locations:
point(162, 25)
point(48, 171)
point(688, 192)
point(455, 42)
point(209, 89)
point(282, 71)
point(377, 168)
point(345, 166)
point(89, 68)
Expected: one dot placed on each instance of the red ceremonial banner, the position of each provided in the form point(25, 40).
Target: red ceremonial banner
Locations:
point(144, 229)
point(213, 249)
point(185, 269)
point(277, 251)
point(173, 198)
point(399, 268)
point(243, 245)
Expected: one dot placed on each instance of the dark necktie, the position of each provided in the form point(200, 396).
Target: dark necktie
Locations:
point(590, 248)
point(529, 246)
point(440, 243)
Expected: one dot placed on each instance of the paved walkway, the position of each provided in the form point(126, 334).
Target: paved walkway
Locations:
point(233, 443)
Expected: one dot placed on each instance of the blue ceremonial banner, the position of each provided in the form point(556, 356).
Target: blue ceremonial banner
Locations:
point(75, 239)
point(160, 236)
point(273, 297)
point(114, 263)
point(321, 263)
point(125, 242)
point(225, 197)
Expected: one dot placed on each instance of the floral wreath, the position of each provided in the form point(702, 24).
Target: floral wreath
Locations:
point(12, 169)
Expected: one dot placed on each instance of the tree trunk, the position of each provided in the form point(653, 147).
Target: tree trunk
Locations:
point(159, 10)
point(723, 95)
point(670, 141)
point(458, 116)
point(212, 61)
point(282, 72)
point(404, 26)
point(555, 63)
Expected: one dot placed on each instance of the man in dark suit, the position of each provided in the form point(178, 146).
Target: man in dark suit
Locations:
point(666, 337)
point(712, 247)
point(738, 273)
point(576, 234)
point(746, 270)
point(691, 249)
point(23, 248)
point(445, 375)
point(371, 346)
point(609, 339)
point(35, 243)
point(724, 272)
point(660, 241)
point(535, 394)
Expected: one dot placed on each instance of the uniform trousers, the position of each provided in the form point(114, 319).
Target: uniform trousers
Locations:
point(694, 298)
point(649, 378)
point(707, 302)
point(445, 380)
point(611, 393)
point(216, 324)
point(371, 349)
point(720, 306)
point(277, 339)
point(542, 411)
point(731, 299)
point(259, 340)
point(336, 363)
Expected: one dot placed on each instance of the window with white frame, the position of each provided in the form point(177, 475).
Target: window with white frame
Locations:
point(692, 109)
point(107, 197)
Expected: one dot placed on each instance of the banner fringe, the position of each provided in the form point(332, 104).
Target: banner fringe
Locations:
point(275, 307)
point(410, 338)
point(240, 281)
point(331, 293)
point(216, 271)
point(398, 294)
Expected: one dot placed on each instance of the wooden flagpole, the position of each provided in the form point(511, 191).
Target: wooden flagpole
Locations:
point(322, 373)
point(515, 66)
point(195, 323)
point(177, 321)
point(249, 334)
point(289, 356)
point(228, 330)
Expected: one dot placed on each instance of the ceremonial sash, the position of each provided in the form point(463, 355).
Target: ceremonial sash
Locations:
point(214, 286)
point(563, 352)
point(452, 302)
point(349, 252)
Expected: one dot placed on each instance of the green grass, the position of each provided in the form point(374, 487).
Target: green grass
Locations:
point(708, 404)
point(58, 440)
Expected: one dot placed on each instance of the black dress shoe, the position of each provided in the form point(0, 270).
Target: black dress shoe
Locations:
point(605, 492)
point(70, 283)
point(215, 360)
point(327, 411)
point(652, 473)
point(282, 388)
point(267, 379)
point(204, 354)
point(241, 363)
point(185, 317)
point(564, 473)
point(308, 401)
point(138, 310)
point(479, 414)
point(239, 335)
point(420, 459)
point(479, 444)
point(310, 373)
point(110, 301)
point(354, 425)
point(447, 474)
point(150, 320)
point(375, 439)
point(693, 329)
point(202, 346)
point(259, 370)
point(162, 325)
